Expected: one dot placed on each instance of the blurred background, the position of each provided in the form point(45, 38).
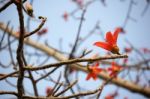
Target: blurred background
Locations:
point(63, 19)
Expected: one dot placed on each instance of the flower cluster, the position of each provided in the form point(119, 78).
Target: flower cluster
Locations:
point(93, 71)
point(110, 44)
point(114, 69)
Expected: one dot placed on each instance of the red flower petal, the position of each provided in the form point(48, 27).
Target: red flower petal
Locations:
point(109, 38)
point(113, 74)
point(65, 16)
point(97, 70)
point(115, 36)
point(94, 76)
point(96, 64)
point(103, 45)
point(110, 69)
point(88, 76)
point(113, 63)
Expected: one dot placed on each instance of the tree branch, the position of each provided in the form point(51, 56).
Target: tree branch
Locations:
point(76, 60)
point(59, 56)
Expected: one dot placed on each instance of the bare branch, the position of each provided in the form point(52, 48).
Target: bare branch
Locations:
point(71, 61)
point(37, 29)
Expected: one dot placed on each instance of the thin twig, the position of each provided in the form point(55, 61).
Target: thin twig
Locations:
point(8, 75)
point(54, 90)
point(44, 76)
point(8, 92)
point(31, 77)
point(70, 86)
point(4, 34)
point(10, 51)
point(6, 5)
point(37, 29)
point(71, 61)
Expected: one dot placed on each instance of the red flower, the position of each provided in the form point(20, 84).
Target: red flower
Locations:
point(111, 42)
point(79, 2)
point(125, 97)
point(42, 31)
point(146, 50)
point(111, 96)
point(65, 16)
point(49, 90)
point(125, 60)
point(71, 70)
point(93, 71)
point(114, 69)
point(128, 50)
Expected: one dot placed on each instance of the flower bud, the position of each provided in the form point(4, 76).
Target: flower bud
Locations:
point(49, 90)
point(29, 9)
point(115, 50)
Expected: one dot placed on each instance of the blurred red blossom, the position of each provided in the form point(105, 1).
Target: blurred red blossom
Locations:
point(71, 70)
point(65, 16)
point(42, 31)
point(114, 69)
point(125, 97)
point(145, 50)
point(49, 90)
point(111, 96)
point(125, 60)
point(93, 71)
point(79, 2)
point(111, 42)
point(128, 50)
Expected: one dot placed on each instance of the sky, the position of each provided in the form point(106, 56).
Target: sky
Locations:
point(110, 16)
